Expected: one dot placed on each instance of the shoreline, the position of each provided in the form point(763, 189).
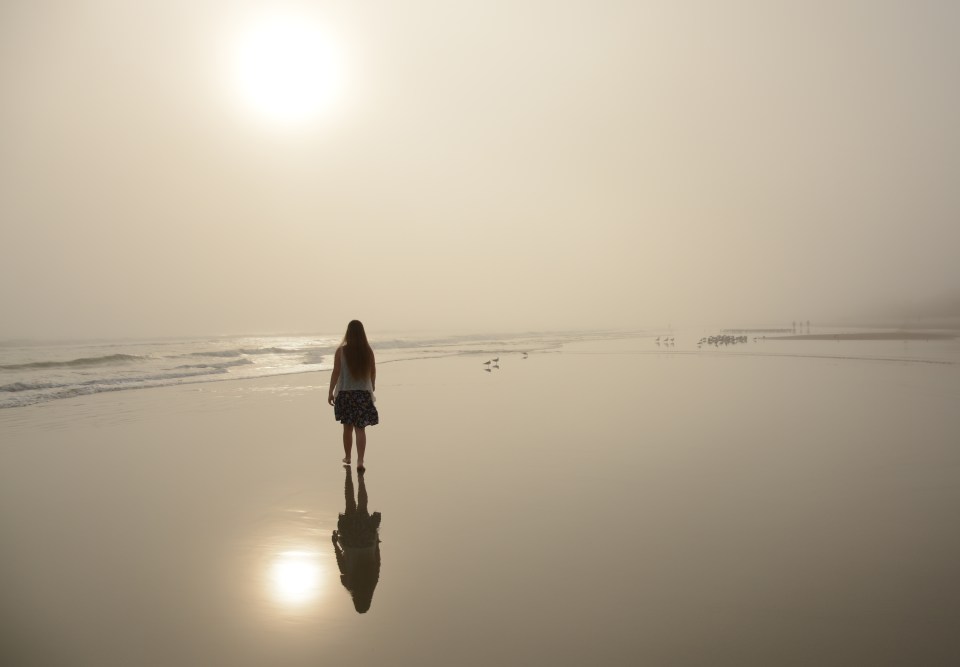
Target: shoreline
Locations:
point(880, 335)
point(15, 401)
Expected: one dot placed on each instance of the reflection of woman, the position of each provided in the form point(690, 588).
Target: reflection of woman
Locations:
point(357, 546)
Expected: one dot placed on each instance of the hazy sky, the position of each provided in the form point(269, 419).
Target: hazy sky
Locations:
point(477, 165)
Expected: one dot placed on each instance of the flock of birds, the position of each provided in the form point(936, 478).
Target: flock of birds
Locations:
point(716, 341)
point(490, 364)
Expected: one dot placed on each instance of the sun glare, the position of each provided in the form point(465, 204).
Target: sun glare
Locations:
point(295, 577)
point(286, 69)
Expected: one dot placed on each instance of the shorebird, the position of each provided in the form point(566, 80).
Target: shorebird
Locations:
point(496, 360)
point(486, 363)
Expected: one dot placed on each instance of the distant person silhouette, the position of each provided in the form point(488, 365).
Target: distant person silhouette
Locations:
point(357, 545)
point(352, 383)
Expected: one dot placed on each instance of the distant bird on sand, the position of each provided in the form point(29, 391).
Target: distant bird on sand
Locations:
point(488, 370)
point(496, 360)
point(486, 363)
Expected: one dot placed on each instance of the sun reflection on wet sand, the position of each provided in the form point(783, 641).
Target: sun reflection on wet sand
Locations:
point(296, 578)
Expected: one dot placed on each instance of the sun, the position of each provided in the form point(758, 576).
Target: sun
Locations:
point(285, 68)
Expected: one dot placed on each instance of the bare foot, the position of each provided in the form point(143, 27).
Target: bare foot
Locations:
point(346, 460)
point(361, 468)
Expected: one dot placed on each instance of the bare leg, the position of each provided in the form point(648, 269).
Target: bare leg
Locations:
point(361, 445)
point(348, 442)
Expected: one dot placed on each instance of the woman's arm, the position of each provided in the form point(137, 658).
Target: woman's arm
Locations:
point(335, 375)
point(373, 371)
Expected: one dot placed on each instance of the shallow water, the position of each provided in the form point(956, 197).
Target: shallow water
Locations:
point(609, 502)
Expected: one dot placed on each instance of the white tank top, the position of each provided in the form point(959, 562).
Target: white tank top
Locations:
point(346, 381)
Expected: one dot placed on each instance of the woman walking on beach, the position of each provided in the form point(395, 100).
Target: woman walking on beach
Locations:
point(352, 383)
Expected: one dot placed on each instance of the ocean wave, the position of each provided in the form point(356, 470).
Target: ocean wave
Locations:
point(76, 363)
point(154, 377)
point(30, 386)
point(120, 382)
point(222, 364)
point(314, 356)
point(22, 400)
point(237, 352)
point(37, 394)
point(212, 353)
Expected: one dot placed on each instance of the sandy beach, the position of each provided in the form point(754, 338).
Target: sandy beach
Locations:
point(604, 503)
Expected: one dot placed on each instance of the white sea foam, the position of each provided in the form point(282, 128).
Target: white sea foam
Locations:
point(222, 364)
point(109, 359)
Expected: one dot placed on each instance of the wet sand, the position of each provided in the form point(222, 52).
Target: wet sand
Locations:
point(603, 504)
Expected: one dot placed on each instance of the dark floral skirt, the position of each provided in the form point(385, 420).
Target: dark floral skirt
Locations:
point(356, 408)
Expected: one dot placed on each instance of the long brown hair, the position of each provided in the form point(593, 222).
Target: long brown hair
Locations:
point(356, 350)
